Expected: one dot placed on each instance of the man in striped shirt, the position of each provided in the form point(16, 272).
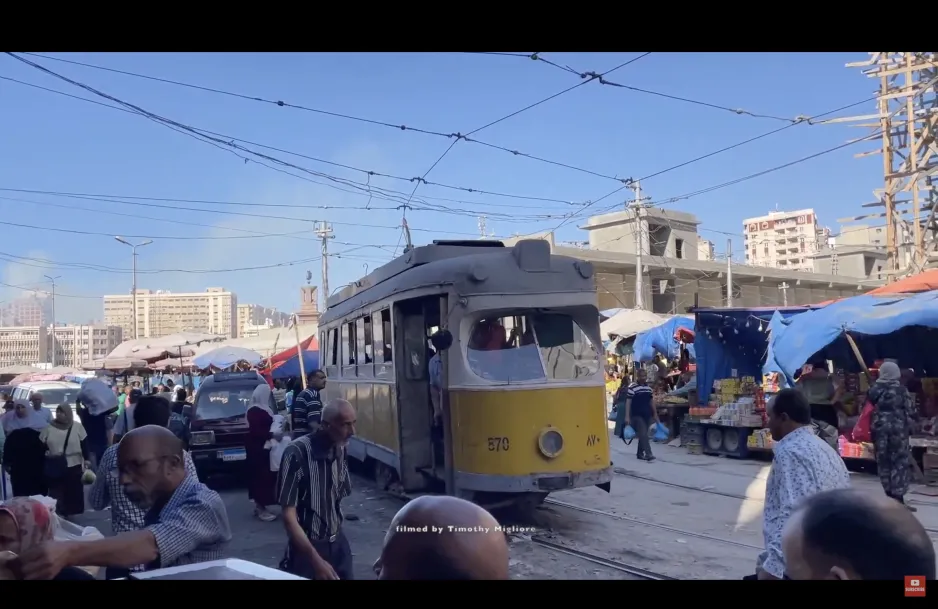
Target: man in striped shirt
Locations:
point(107, 489)
point(639, 413)
point(307, 407)
point(313, 480)
point(186, 522)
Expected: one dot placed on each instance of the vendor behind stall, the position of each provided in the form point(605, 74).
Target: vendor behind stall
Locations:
point(819, 388)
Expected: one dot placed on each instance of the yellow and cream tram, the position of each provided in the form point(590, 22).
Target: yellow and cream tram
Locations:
point(523, 401)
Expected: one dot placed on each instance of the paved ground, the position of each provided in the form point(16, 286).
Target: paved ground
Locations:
point(684, 516)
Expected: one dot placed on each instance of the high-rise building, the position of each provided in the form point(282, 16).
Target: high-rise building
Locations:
point(160, 313)
point(784, 240)
point(34, 310)
point(76, 345)
point(253, 318)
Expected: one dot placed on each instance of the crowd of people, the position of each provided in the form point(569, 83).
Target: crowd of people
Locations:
point(816, 526)
point(162, 515)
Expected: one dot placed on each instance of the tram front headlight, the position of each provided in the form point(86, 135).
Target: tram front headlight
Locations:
point(550, 443)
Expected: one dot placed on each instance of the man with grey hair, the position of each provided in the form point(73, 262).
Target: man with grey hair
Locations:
point(313, 480)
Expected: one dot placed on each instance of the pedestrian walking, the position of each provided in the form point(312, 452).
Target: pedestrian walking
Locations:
point(313, 480)
point(803, 465)
point(307, 406)
point(893, 417)
point(639, 412)
point(262, 482)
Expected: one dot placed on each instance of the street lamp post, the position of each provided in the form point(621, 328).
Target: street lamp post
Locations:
point(54, 345)
point(133, 288)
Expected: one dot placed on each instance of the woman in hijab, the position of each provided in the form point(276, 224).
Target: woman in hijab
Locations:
point(24, 524)
point(24, 454)
point(65, 437)
point(261, 481)
point(893, 417)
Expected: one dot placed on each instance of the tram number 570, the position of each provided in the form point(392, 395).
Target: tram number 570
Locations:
point(499, 445)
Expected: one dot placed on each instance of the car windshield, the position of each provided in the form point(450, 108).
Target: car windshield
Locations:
point(531, 346)
point(223, 402)
point(53, 397)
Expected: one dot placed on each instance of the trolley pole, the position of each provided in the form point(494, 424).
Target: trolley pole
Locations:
point(324, 232)
point(784, 288)
point(729, 272)
point(54, 341)
point(639, 248)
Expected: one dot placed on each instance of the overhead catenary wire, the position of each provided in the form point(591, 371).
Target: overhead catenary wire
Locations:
point(400, 127)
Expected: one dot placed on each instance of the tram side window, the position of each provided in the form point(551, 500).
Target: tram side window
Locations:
point(348, 349)
point(528, 347)
point(332, 353)
point(381, 339)
point(387, 337)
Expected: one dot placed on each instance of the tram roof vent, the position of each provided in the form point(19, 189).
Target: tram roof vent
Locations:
point(470, 243)
point(532, 255)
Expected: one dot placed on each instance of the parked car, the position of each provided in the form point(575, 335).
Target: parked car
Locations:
point(53, 393)
point(218, 425)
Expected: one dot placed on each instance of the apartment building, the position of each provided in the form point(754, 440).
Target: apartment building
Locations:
point(76, 345)
point(23, 345)
point(784, 240)
point(254, 318)
point(161, 312)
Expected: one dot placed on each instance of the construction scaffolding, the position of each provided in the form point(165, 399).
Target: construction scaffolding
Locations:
point(905, 125)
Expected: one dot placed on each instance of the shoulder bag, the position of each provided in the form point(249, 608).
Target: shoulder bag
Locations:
point(57, 465)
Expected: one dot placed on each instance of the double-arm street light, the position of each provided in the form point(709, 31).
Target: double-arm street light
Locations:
point(133, 289)
point(54, 341)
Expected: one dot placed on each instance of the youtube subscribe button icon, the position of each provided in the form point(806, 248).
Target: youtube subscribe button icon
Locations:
point(915, 585)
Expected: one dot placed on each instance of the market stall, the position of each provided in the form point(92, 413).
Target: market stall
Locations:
point(731, 345)
point(661, 339)
point(857, 334)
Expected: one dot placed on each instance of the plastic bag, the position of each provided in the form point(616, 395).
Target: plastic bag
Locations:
point(661, 433)
point(613, 413)
point(97, 397)
point(276, 452)
point(861, 432)
point(628, 434)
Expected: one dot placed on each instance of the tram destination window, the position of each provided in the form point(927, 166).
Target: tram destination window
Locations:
point(529, 347)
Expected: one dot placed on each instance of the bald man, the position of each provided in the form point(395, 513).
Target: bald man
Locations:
point(313, 481)
point(186, 522)
point(443, 538)
point(847, 534)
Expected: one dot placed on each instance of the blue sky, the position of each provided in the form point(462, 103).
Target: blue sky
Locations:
point(59, 144)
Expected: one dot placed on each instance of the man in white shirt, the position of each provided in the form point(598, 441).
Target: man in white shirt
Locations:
point(804, 465)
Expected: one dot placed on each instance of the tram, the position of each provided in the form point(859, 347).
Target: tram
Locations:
point(523, 404)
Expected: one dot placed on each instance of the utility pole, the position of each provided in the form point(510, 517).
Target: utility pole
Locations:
point(637, 206)
point(729, 272)
point(133, 288)
point(906, 121)
point(54, 341)
point(784, 288)
point(483, 229)
point(324, 232)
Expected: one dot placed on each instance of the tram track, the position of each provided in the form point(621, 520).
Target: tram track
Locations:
point(645, 523)
point(621, 471)
point(615, 565)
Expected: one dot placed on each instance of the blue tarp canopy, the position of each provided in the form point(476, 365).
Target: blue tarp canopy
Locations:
point(734, 339)
point(888, 326)
point(291, 367)
point(660, 339)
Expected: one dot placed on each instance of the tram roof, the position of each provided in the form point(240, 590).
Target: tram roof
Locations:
point(478, 267)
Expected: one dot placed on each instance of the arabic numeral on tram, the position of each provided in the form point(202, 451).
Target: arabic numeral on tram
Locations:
point(498, 445)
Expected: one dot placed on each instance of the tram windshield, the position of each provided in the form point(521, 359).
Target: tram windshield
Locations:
point(531, 346)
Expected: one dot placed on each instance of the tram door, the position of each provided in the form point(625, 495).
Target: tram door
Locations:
point(413, 395)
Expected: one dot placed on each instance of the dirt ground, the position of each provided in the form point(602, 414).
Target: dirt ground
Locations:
point(684, 516)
